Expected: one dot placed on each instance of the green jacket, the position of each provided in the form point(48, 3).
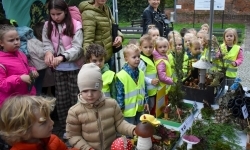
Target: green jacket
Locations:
point(97, 26)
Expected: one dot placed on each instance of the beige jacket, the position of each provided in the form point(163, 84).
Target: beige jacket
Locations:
point(95, 125)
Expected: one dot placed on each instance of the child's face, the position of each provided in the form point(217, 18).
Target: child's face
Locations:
point(187, 41)
point(178, 45)
point(10, 41)
point(201, 38)
point(133, 58)
point(204, 29)
point(57, 15)
point(41, 129)
point(99, 61)
point(154, 34)
point(196, 50)
point(91, 96)
point(229, 38)
point(162, 48)
point(147, 48)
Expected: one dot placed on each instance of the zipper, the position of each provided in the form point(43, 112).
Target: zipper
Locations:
point(99, 127)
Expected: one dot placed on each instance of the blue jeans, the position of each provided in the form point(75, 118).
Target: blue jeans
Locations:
point(134, 120)
point(39, 82)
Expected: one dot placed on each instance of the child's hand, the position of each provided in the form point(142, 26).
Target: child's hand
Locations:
point(146, 107)
point(155, 81)
point(26, 78)
point(234, 63)
point(35, 74)
point(49, 58)
point(57, 61)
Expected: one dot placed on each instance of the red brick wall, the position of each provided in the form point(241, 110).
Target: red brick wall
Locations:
point(235, 11)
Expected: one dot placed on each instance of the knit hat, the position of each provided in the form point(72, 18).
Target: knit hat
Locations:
point(89, 77)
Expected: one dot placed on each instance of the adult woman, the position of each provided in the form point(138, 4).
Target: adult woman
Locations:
point(152, 15)
point(97, 26)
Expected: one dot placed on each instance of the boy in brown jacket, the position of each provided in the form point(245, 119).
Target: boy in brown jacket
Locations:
point(94, 121)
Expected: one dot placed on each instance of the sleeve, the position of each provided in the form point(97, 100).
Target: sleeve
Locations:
point(23, 57)
point(89, 28)
point(120, 93)
point(113, 89)
point(47, 44)
point(74, 132)
point(240, 57)
point(143, 66)
point(147, 20)
point(161, 71)
point(122, 126)
point(7, 83)
point(75, 51)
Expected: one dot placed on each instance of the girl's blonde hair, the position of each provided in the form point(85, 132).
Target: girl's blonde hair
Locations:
point(234, 31)
point(172, 42)
point(205, 25)
point(152, 28)
point(17, 116)
point(192, 30)
point(4, 29)
point(205, 37)
point(170, 34)
point(194, 43)
point(130, 47)
point(160, 39)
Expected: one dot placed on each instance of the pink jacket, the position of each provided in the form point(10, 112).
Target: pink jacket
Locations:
point(161, 68)
point(12, 66)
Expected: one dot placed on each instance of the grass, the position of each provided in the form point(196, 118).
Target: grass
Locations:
point(179, 26)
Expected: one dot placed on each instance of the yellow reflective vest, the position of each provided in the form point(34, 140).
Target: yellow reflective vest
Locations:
point(168, 73)
point(185, 63)
point(228, 58)
point(151, 73)
point(107, 78)
point(134, 93)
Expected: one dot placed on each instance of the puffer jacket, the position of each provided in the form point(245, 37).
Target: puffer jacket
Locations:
point(161, 68)
point(97, 26)
point(95, 125)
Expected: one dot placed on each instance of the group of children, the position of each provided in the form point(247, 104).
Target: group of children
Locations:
point(92, 101)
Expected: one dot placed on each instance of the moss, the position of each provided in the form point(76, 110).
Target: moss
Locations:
point(221, 146)
point(207, 112)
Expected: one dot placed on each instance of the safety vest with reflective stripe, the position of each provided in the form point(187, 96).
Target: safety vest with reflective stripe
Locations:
point(151, 73)
point(184, 66)
point(204, 54)
point(230, 57)
point(134, 94)
point(168, 73)
point(107, 78)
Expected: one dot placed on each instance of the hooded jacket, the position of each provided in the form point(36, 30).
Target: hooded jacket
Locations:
point(97, 26)
point(161, 68)
point(12, 66)
point(95, 125)
point(51, 143)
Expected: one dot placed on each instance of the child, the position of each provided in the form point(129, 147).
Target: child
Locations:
point(232, 54)
point(15, 74)
point(203, 37)
point(153, 32)
point(195, 54)
point(93, 122)
point(62, 40)
point(131, 87)
point(172, 34)
point(147, 65)
point(205, 28)
point(95, 53)
point(193, 31)
point(25, 123)
point(188, 37)
point(35, 49)
point(176, 50)
point(163, 67)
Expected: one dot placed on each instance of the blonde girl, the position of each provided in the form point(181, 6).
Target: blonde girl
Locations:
point(205, 28)
point(203, 37)
point(25, 123)
point(231, 53)
point(162, 64)
point(153, 32)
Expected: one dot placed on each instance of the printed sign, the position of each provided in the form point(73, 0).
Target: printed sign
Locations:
point(160, 101)
point(186, 124)
point(205, 5)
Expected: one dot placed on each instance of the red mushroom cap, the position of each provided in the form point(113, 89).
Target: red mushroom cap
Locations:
point(122, 143)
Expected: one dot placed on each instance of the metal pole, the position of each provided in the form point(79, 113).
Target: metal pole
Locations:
point(211, 27)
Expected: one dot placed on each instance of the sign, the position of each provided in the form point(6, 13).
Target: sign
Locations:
point(244, 111)
point(160, 101)
point(178, 6)
point(186, 124)
point(205, 5)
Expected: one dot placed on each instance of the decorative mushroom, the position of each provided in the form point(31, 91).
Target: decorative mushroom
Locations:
point(122, 143)
point(166, 111)
point(145, 131)
point(202, 65)
point(190, 140)
point(149, 118)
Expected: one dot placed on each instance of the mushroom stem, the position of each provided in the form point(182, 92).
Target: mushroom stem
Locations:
point(144, 143)
point(165, 115)
point(189, 146)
